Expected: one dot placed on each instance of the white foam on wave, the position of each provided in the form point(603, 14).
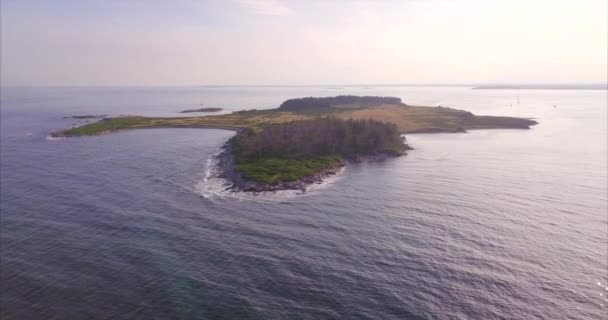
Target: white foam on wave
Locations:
point(213, 186)
point(208, 168)
point(51, 138)
point(327, 182)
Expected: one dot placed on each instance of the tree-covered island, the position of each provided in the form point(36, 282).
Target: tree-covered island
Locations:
point(295, 154)
point(304, 140)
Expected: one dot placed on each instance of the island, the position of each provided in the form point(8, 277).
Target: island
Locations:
point(305, 140)
point(296, 154)
point(202, 110)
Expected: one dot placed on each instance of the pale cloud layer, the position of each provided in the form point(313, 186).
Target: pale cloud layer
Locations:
point(136, 42)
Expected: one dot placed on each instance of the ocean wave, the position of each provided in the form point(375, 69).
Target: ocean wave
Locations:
point(51, 138)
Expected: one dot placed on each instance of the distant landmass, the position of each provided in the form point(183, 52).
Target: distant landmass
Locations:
point(86, 116)
point(592, 86)
point(306, 139)
point(201, 110)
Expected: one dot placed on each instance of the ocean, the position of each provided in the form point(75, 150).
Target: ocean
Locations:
point(489, 224)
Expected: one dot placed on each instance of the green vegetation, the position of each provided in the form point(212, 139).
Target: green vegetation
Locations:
point(254, 119)
point(106, 125)
point(320, 136)
point(408, 119)
point(294, 150)
point(326, 104)
point(273, 170)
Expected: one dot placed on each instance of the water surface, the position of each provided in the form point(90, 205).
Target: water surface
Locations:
point(483, 225)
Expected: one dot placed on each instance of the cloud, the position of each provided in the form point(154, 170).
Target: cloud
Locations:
point(265, 7)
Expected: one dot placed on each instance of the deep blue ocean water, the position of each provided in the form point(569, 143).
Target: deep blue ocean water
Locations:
point(490, 224)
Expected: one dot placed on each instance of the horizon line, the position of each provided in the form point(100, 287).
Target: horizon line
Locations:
point(336, 85)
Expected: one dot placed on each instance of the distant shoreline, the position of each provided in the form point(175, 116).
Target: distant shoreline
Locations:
point(201, 110)
point(572, 86)
point(542, 87)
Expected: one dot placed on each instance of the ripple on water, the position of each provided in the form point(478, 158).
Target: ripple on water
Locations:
point(484, 225)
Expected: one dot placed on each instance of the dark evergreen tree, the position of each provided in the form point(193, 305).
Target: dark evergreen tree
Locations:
point(322, 136)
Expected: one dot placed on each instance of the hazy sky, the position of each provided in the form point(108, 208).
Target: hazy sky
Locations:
point(188, 42)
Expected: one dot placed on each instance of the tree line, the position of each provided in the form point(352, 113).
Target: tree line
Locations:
point(321, 136)
point(312, 103)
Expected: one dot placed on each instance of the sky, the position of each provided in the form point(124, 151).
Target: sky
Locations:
point(281, 42)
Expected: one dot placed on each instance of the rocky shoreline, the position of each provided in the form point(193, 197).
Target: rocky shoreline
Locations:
point(238, 183)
